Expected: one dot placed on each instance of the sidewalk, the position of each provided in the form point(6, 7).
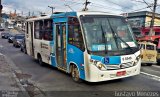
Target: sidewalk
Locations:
point(9, 84)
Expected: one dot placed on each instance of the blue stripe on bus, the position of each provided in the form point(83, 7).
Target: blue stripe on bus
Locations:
point(75, 55)
point(52, 56)
point(109, 60)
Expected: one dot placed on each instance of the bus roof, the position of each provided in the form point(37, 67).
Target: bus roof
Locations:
point(60, 14)
point(148, 38)
point(39, 18)
point(95, 13)
point(145, 42)
point(64, 14)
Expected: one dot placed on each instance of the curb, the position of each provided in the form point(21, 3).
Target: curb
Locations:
point(15, 69)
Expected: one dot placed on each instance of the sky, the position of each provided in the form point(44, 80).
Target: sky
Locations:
point(111, 6)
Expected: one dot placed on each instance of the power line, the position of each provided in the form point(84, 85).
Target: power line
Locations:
point(140, 9)
point(118, 4)
point(105, 7)
point(68, 7)
point(147, 4)
point(144, 2)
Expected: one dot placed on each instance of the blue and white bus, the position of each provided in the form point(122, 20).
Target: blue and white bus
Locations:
point(92, 46)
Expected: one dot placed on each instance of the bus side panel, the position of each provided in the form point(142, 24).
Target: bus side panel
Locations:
point(28, 45)
point(37, 47)
point(53, 57)
point(45, 51)
point(76, 56)
point(28, 36)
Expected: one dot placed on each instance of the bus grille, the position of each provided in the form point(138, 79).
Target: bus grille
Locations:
point(121, 66)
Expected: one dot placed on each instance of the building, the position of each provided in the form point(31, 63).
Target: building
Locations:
point(4, 20)
point(141, 19)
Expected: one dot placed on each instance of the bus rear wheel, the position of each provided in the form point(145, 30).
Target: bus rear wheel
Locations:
point(40, 60)
point(75, 74)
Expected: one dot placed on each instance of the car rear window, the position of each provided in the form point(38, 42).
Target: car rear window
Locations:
point(19, 37)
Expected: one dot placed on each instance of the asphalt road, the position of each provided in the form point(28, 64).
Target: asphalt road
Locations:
point(49, 79)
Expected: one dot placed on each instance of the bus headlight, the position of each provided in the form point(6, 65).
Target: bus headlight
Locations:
point(137, 60)
point(99, 65)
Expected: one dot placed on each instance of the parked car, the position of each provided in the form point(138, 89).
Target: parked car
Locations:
point(10, 38)
point(17, 40)
point(23, 46)
point(5, 35)
point(1, 29)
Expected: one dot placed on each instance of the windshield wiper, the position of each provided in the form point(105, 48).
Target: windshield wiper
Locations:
point(117, 37)
point(105, 42)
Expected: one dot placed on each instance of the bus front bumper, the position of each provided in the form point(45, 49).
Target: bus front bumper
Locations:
point(96, 75)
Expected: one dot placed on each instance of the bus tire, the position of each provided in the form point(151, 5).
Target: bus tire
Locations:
point(75, 73)
point(39, 58)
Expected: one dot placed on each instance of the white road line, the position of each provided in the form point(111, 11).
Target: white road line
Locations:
point(155, 77)
point(1, 46)
point(1, 54)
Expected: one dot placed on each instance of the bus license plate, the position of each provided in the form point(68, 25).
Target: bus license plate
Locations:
point(121, 73)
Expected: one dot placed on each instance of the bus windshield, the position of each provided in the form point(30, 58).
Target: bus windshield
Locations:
point(107, 33)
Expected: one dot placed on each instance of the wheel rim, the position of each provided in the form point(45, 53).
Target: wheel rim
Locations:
point(75, 74)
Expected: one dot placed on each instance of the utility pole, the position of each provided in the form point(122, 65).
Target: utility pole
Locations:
point(51, 8)
point(29, 13)
point(153, 17)
point(22, 13)
point(86, 4)
point(1, 7)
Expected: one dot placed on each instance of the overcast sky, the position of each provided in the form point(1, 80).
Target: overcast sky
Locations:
point(112, 6)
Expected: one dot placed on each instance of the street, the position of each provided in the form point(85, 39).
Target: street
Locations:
point(47, 78)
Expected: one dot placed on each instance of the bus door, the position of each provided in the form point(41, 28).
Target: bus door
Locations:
point(32, 45)
point(29, 39)
point(60, 29)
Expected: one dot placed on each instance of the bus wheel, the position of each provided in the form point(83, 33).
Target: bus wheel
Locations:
point(40, 60)
point(75, 73)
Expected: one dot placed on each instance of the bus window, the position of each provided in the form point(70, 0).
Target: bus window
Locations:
point(157, 33)
point(150, 47)
point(146, 33)
point(38, 32)
point(139, 46)
point(74, 33)
point(47, 34)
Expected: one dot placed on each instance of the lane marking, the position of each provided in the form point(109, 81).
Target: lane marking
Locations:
point(155, 77)
point(1, 54)
point(1, 46)
point(147, 69)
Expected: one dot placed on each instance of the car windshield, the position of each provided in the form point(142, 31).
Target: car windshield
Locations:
point(107, 33)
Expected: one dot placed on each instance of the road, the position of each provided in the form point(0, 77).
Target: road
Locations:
point(47, 78)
